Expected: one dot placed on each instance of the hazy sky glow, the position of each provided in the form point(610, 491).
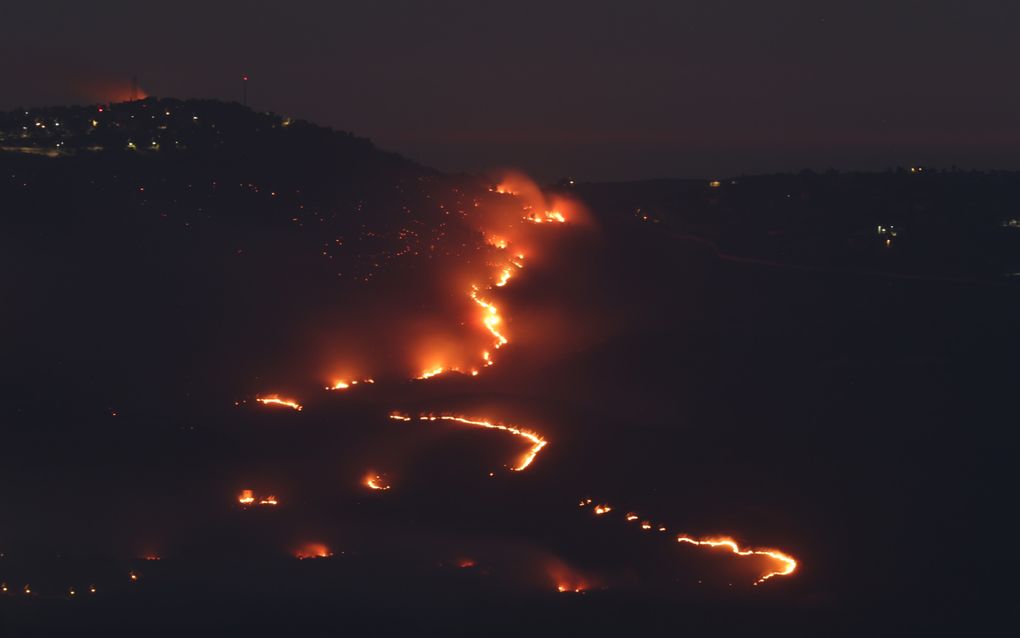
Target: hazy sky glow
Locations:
point(594, 89)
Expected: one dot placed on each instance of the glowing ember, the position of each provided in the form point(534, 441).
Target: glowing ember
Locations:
point(466, 563)
point(788, 562)
point(276, 400)
point(632, 516)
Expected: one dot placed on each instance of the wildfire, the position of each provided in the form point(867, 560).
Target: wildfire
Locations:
point(498, 242)
point(789, 563)
point(275, 399)
point(247, 497)
point(537, 442)
point(491, 319)
point(504, 276)
point(546, 217)
point(341, 384)
point(376, 482)
point(312, 550)
point(567, 588)
point(428, 374)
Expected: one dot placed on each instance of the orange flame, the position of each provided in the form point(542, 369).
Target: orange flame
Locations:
point(789, 563)
point(274, 399)
point(545, 217)
point(428, 374)
point(537, 442)
point(341, 384)
point(376, 482)
point(247, 497)
point(491, 319)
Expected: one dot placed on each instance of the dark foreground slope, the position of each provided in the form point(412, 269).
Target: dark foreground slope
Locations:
point(842, 411)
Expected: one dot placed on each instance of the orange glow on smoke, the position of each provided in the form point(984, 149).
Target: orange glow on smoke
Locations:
point(567, 581)
point(247, 497)
point(502, 229)
point(788, 562)
point(312, 550)
point(274, 399)
point(537, 442)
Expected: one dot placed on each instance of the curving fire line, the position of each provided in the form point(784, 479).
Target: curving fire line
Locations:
point(789, 564)
point(537, 442)
point(491, 319)
point(274, 399)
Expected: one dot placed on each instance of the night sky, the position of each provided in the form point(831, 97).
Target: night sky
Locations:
point(593, 89)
